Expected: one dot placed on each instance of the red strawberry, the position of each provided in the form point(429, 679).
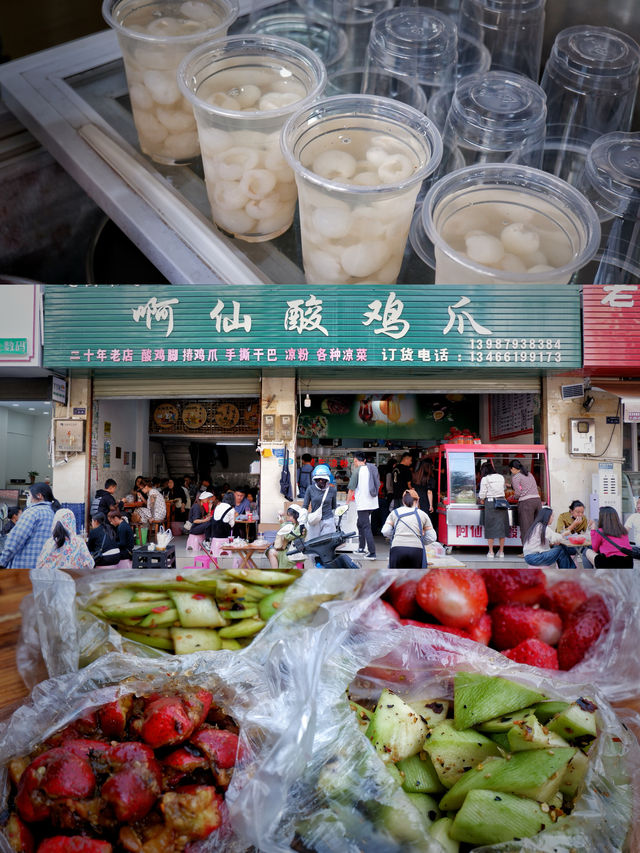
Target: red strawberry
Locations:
point(534, 653)
point(563, 598)
point(456, 597)
point(480, 631)
point(513, 623)
point(403, 597)
point(594, 604)
point(458, 632)
point(514, 586)
point(584, 627)
point(391, 611)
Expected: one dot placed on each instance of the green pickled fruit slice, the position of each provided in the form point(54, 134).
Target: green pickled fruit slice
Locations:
point(160, 620)
point(189, 640)
point(270, 604)
point(197, 610)
point(501, 739)
point(363, 714)
point(419, 775)
point(149, 595)
point(427, 806)
point(440, 830)
point(455, 752)
point(229, 644)
point(147, 640)
point(406, 824)
point(395, 730)
point(504, 723)
point(262, 577)
point(536, 774)
point(130, 609)
point(247, 612)
point(120, 595)
point(574, 776)
point(545, 711)
point(577, 722)
point(478, 698)
point(431, 710)
point(531, 734)
point(243, 628)
point(488, 817)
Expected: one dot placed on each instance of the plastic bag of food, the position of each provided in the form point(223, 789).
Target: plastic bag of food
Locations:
point(60, 635)
point(251, 698)
point(346, 781)
point(265, 688)
point(612, 661)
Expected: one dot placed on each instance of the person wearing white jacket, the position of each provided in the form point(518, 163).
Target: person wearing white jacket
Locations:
point(365, 504)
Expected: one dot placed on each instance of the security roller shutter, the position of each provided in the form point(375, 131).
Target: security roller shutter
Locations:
point(413, 382)
point(175, 382)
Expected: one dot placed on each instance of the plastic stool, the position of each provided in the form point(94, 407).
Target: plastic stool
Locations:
point(203, 562)
point(195, 541)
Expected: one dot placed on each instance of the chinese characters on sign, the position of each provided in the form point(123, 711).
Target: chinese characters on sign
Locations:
point(254, 326)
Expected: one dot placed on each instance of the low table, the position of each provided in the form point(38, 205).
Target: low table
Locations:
point(247, 552)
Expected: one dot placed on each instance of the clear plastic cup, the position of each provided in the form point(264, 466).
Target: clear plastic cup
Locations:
point(359, 161)
point(243, 89)
point(327, 40)
point(493, 117)
point(511, 30)
point(591, 81)
point(353, 81)
point(508, 224)
point(154, 37)
point(611, 182)
point(416, 43)
point(355, 17)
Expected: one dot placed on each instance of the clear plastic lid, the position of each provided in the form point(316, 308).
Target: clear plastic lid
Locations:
point(497, 107)
point(595, 57)
point(612, 174)
point(414, 41)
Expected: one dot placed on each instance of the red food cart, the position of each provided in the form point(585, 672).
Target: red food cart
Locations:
point(456, 470)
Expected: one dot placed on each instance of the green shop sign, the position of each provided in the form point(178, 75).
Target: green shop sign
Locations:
point(430, 326)
point(13, 346)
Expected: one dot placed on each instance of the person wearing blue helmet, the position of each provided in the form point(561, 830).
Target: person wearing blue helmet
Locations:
point(320, 498)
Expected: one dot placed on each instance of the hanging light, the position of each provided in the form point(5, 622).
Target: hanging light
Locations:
point(307, 401)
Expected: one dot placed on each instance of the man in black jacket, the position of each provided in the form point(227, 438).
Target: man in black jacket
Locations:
point(104, 500)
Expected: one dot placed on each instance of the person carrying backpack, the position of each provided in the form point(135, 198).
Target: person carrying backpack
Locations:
point(410, 531)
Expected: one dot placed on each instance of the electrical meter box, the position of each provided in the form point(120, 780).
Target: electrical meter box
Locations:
point(582, 433)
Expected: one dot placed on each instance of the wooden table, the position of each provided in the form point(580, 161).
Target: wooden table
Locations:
point(14, 585)
point(246, 553)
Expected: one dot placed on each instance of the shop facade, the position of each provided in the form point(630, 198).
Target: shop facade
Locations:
point(27, 391)
point(611, 326)
point(269, 374)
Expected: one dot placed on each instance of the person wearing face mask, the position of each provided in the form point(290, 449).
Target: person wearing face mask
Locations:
point(27, 539)
point(320, 495)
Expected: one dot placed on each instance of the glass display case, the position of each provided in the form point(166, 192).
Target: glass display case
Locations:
point(457, 473)
point(74, 99)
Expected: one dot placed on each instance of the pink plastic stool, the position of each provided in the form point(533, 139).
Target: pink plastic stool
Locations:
point(195, 541)
point(123, 564)
point(202, 562)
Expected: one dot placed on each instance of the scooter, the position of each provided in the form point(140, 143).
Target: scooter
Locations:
point(324, 548)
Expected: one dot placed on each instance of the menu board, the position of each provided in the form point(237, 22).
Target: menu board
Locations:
point(510, 414)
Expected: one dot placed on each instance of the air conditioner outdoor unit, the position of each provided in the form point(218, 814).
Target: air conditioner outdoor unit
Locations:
point(572, 392)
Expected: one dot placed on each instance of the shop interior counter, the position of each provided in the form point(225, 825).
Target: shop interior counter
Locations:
point(74, 100)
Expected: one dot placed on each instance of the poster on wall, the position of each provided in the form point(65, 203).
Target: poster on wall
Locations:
point(126, 457)
point(511, 415)
point(133, 459)
point(389, 416)
point(107, 455)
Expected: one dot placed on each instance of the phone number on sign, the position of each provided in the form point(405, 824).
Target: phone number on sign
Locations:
point(516, 350)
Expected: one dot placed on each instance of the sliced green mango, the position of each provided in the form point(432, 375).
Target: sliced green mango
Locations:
point(243, 628)
point(478, 698)
point(197, 610)
point(189, 640)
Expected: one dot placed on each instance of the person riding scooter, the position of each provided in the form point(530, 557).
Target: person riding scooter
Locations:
point(323, 549)
point(320, 501)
